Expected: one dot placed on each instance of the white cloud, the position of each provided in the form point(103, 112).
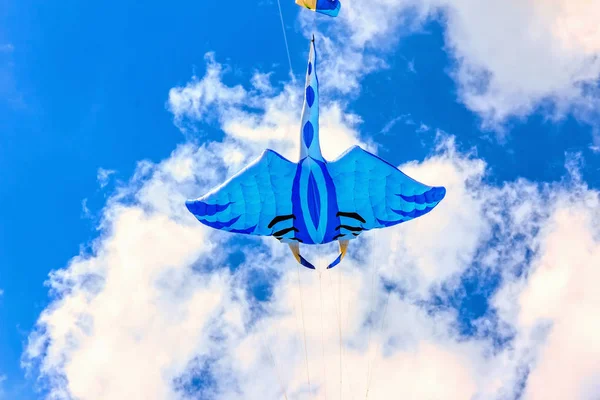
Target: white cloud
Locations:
point(407, 119)
point(103, 176)
point(515, 55)
point(85, 210)
point(196, 99)
point(261, 81)
point(388, 127)
point(155, 305)
point(512, 57)
point(137, 297)
point(561, 291)
point(277, 124)
point(557, 299)
point(423, 128)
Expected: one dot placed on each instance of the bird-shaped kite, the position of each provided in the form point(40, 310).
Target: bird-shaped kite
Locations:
point(314, 201)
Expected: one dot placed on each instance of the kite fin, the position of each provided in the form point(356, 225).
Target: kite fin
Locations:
point(343, 249)
point(295, 248)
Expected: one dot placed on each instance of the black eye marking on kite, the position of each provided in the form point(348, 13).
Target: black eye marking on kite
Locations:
point(351, 215)
point(284, 231)
point(350, 228)
point(280, 218)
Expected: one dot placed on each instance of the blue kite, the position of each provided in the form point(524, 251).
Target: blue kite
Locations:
point(314, 201)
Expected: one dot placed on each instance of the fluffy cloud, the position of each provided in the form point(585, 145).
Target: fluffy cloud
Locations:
point(160, 310)
point(553, 304)
point(512, 57)
point(515, 55)
point(103, 176)
point(277, 124)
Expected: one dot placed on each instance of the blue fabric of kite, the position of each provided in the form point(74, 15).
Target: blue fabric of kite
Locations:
point(315, 201)
point(327, 7)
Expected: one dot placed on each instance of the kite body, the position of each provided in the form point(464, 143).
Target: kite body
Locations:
point(314, 201)
point(327, 7)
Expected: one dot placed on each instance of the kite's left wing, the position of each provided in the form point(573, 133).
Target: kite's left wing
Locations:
point(255, 201)
point(371, 193)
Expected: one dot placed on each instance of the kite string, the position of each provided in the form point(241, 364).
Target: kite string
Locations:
point(371, 307)
point(338, 313)
point(264, 342)
point(270, 353)
point(348, 372)
point(340, 325)
point(370, 378)
point(287, 47)
point(322, 340)
point(304, 330)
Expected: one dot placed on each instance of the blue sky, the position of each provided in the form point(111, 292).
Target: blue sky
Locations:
point(86, 86)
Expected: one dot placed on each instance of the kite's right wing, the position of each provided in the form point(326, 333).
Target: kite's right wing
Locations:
point(375, 194)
